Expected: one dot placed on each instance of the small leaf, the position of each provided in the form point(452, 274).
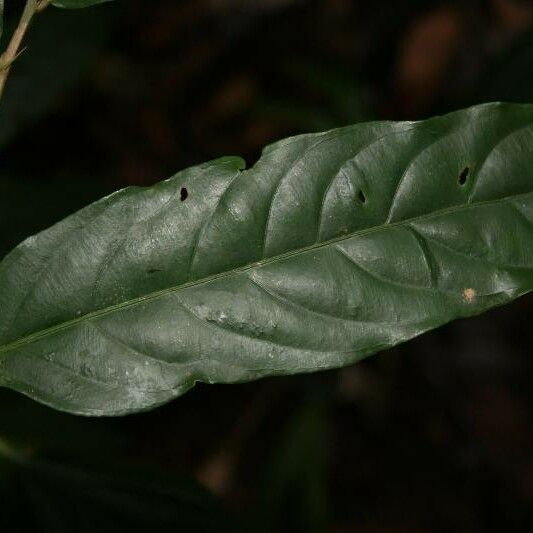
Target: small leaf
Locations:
point(333, 247)
point(75, 4)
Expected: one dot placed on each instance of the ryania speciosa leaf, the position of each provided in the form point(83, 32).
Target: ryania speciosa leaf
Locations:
point(332, 247)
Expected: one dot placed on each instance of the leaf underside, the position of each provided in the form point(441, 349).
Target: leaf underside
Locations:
point(332, 247)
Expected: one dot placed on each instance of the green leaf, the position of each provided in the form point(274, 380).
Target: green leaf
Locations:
point(75, 4)
point(332, 247)
point(1, 17)
point(46, 496)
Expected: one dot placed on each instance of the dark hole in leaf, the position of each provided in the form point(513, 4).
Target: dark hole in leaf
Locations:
point(361, 196)
point(183, 194)
point(463, 175)
point(153, 270)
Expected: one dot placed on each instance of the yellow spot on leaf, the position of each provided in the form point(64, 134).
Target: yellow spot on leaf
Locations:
point(469, 295)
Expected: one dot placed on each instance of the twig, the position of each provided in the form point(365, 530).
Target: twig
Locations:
point(12, 51)
point(43, 4)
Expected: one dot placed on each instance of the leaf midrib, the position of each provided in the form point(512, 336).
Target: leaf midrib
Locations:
point(52, 330)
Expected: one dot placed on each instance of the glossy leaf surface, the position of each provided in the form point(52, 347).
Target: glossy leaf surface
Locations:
point(332, 247)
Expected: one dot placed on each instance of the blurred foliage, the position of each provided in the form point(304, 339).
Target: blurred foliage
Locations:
point(294, 494)
point(434, 435)
point(56, 498)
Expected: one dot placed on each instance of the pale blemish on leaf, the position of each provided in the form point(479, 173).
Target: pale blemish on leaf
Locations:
point(469, 295)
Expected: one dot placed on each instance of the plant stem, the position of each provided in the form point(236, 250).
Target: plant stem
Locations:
point(6, 59)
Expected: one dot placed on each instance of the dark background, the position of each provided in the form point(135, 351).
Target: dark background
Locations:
point(435, 435)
